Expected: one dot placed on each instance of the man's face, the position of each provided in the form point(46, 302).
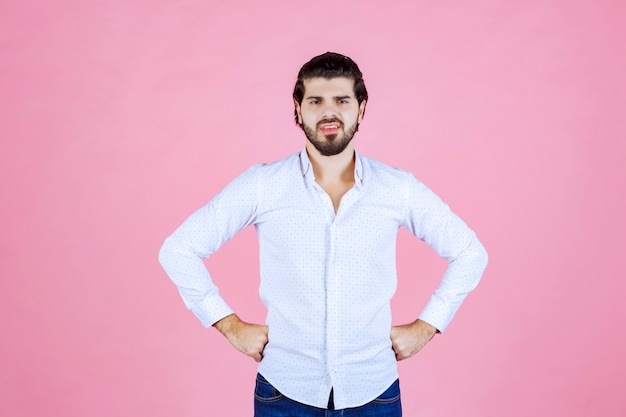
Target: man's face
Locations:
point(329, 113)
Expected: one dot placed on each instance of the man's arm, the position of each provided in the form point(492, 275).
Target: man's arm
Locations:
point(432, 221)
point(198, 237)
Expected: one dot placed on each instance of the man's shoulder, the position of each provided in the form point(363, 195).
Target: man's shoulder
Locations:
point(286, 163)
point(376, 164)
point(379, 171)
point(274, 170)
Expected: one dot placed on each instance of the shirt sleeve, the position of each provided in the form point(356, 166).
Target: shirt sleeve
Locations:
point(202, 234)
point(431, 220)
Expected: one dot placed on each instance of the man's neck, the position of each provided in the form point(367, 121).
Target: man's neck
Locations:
point(335, 168)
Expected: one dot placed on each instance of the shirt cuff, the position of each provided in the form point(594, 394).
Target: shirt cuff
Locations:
point(437, 313)
point(211, 310)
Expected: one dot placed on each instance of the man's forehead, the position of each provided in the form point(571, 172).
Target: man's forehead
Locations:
point(344, 85)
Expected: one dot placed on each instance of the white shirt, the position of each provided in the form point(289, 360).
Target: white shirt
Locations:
point(326, 279)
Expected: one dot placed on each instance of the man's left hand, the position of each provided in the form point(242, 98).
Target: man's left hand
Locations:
point(408, 339)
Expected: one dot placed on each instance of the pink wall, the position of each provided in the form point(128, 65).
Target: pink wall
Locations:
point(119, 118)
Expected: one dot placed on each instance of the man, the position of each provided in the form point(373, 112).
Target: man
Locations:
point(327, 220)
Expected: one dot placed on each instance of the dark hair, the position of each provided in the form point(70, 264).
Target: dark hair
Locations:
point(330, 65)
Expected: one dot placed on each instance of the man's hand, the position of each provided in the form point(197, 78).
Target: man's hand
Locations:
point(245, 337)
point(408, 339)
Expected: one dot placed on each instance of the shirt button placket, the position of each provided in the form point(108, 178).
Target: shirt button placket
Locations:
point(333, 303)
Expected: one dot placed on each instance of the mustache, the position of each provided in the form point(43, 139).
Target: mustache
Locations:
point(331, 120)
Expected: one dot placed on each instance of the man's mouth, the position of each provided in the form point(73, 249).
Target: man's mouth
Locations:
point(330, 128)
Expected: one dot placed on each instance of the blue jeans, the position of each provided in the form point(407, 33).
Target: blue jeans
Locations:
point(269, 402)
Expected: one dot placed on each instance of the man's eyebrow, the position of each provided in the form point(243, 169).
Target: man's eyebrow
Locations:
point(335, 97)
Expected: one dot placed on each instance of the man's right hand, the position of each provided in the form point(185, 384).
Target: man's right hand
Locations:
point(245, 337)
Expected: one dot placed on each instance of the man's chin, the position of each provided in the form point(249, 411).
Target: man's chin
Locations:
point(331, 150)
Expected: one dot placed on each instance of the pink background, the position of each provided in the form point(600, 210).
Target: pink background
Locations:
point(119, 118)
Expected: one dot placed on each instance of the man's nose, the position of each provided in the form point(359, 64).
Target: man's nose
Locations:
point(329, 111)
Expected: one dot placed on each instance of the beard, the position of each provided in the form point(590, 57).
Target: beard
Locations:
point(329, 145)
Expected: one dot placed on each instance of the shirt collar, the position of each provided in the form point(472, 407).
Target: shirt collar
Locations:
point(305, 163)
point(307, 168)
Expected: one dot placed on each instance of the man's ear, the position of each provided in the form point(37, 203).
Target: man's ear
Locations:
point(298, 111)
point(361, 110)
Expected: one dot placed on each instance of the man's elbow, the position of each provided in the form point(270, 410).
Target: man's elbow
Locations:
point(165, 253)
point(484, 256)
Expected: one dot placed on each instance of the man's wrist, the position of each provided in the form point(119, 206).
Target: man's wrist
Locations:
point(426, 327)
point(225, 325)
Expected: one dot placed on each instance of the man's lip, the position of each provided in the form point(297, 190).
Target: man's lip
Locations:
point(332, 125)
